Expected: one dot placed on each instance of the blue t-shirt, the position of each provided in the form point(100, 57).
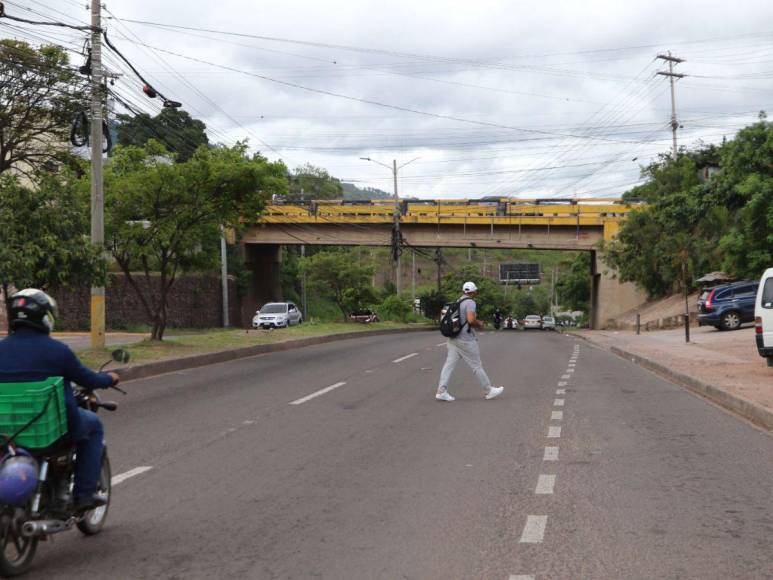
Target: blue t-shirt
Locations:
point(28, 355)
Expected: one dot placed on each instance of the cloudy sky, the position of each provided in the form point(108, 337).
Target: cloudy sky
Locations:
point(509, 98)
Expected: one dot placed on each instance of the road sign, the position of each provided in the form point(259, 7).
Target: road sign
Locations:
point(520, 273)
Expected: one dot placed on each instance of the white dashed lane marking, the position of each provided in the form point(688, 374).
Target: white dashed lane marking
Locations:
point(564, 376)
point(556, 415)
point(534, 530)
point(551, 454)
point(562, 383)
point(560, 391)
point(545, 484)
point(554, 432)
point(406, 357)
point(558, 403)
point(131, 473)
point(316, 394)
point(442, 344)
point(521, 577)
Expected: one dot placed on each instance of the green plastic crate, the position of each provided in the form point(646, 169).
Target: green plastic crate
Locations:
point(20, 402)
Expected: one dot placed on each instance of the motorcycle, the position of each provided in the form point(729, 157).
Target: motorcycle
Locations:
point(49, 509)
point(497, 321)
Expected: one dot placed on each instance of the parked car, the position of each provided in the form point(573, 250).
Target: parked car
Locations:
point(728, 306)
point(763, 317)
point(365, 316)
point(532, 321)
point(548, 323)
point(277, 315)
point(511, 323)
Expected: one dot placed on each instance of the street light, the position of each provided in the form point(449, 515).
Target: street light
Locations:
point(394, 168)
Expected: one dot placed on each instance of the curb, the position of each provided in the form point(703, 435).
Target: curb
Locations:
point(743, 407)
point(143, 371)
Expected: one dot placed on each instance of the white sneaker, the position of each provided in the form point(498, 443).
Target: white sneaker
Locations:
point(494, 392)
point(444, 396)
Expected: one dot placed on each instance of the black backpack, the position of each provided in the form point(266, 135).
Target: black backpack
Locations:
point(451, 324)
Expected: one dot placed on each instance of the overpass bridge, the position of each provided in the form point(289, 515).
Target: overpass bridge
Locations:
point(489, 223)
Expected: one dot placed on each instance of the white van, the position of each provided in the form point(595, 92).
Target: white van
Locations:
point(763, 316)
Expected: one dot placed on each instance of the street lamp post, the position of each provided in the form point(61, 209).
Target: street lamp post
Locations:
point(394, 168)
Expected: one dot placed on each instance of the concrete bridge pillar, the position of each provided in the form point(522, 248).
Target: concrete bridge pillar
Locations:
point(609, 297)
point(264, 261)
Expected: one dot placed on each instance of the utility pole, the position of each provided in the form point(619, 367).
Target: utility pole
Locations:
point(303, 276)
point(413, 276)
point(671, 60)
point(438, 261)
point(224, 277)
point(97, 193)
point(398, 240)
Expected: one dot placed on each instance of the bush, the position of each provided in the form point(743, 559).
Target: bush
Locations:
point(395, 309)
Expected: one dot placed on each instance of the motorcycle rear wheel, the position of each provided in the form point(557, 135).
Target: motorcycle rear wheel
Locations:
point(94, 520)
point(16, 550)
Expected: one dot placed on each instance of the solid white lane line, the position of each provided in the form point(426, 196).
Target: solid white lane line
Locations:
point(316, 394)
point(131, 473)
point(558, 403)
point(562, 383)
point(556, 416)
point(407, 356)
point(545, 484)
point(554, 432)
point(560, 391)
point(551, 454)
point(534, 530)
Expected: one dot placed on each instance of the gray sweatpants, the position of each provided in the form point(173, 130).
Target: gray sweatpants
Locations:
point(469, 351)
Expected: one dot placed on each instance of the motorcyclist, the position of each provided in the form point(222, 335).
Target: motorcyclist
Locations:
point(497, 319)
point(28, 353)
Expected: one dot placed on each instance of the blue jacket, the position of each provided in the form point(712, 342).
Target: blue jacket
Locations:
point(28, 355)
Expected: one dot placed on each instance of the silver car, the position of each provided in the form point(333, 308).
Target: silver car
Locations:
point(548, 323)
point(277, 315)
point(532, 321)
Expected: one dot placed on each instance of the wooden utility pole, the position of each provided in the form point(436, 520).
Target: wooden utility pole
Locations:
point(97, 193)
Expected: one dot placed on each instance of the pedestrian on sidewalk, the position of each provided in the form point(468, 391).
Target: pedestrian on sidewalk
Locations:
point(465, 346)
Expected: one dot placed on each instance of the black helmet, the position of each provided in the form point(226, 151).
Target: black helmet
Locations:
point(33, 308)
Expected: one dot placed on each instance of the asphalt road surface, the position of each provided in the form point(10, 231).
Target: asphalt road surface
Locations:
point(586, 467)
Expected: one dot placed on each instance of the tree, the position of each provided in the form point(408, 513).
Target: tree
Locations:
point(175, 129)
point(574, 286)
point(165, 218)
point(44, 240)
point(490, 296)
point(335, 275)
point(40, 96)
point(312, 182)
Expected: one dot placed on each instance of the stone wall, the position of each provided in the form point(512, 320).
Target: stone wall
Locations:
point(195, 301)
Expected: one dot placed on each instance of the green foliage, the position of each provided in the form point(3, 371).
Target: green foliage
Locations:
point(351, 191)
point(166, 218)
point(175, 129)
point(314, 183)
point(691, 228)
point(395, 308)
point(529, 300)
point(39, 97)
point(490, 294)
point(336, 276)
point(432, 303)
point(574, 286)
point(44, 241)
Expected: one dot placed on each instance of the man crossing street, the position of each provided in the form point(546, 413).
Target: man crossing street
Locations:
point(465, 346)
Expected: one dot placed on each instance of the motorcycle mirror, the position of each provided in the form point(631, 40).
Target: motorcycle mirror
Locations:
point(120, 355)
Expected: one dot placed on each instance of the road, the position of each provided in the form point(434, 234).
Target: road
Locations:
point(586, 467)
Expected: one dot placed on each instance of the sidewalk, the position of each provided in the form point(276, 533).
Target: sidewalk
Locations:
point(722, 366)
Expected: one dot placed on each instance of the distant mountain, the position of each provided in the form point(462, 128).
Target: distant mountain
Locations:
point(351, 191)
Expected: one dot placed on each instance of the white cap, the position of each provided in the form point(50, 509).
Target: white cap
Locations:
point(469, 287)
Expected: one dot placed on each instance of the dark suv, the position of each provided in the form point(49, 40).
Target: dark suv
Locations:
point(728, 306)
